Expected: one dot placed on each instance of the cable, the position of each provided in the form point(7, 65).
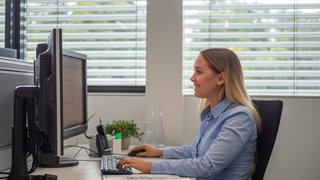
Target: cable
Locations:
point(85, 133)
point(4, 173)
point(7, 177)
point(91, 117)
point(76, 153)
point(81, 147)
point(35, 142)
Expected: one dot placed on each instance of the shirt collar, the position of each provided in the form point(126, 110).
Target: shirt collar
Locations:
point(221, 107)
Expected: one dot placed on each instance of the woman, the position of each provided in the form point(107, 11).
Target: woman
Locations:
point(225, 145)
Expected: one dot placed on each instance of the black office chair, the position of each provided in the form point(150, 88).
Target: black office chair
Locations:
point(270, 112)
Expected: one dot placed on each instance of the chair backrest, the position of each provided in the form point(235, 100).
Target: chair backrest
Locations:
point(270, 112)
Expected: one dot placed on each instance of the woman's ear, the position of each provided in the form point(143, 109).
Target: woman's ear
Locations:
point(221, 79)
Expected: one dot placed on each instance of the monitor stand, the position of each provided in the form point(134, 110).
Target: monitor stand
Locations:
point(49, 160)
point(19, 168)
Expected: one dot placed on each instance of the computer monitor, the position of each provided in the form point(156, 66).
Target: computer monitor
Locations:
point(51, 110)
point(61, 107)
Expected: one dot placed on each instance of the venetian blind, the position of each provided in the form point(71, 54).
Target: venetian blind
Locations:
point(277, 41)
point(111, 33)
point(2, 23)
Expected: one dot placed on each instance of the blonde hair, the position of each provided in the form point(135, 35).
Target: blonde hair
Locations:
point(225, 60)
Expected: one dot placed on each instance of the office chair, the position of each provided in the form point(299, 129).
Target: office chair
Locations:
point(270, 112)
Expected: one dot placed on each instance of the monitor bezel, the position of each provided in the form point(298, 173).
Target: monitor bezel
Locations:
point(57, 59)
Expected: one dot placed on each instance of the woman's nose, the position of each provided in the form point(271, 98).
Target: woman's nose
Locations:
point(192, 78)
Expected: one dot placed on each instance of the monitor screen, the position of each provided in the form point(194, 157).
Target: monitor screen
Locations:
point(61, 107)
point(74, 94)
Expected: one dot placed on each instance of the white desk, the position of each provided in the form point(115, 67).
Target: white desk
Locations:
point(89, 169)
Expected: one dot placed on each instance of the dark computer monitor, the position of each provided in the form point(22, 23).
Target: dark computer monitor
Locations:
point(51, 110)
point(61, 107)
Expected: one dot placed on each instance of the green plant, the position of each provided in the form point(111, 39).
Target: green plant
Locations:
point(125, 127)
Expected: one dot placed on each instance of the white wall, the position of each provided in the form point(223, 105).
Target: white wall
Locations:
point(164, 64)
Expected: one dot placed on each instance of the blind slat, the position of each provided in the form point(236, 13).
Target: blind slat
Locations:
point(244, 25)
point(50, 8)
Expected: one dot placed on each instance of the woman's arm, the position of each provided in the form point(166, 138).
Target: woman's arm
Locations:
point(174, 152)
point(181, 152)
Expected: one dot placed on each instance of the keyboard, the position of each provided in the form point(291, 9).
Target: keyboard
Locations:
point(109, 163)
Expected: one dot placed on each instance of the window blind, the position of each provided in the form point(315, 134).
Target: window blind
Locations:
point(2, 23)
point(277, 41)
point(111, 33)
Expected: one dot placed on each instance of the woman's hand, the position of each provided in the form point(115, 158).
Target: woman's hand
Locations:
point(139, 164)
point(149, 151)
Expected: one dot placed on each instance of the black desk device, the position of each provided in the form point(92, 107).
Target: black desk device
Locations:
point(135, 152)
point(102, 142)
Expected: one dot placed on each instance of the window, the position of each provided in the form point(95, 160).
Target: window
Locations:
point(2, 23)
point(278, 41)
point(111, 33)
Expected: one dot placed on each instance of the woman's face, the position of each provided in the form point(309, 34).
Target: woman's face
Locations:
point(206, 82)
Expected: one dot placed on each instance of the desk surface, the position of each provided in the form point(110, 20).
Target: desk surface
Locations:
point(89, 168)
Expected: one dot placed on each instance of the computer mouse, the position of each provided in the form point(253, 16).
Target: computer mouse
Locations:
point(135, 152)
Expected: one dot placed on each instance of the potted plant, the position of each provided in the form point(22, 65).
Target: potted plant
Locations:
point(126, 128)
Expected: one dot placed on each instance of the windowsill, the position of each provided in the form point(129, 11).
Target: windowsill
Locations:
point(114, 94)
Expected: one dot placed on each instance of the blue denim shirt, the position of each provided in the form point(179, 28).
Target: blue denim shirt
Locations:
point(224, 147)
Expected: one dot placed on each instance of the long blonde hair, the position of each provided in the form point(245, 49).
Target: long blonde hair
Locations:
point(225, 60)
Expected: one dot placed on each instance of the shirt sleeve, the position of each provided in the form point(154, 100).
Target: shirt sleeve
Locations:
point(234, 134)
point(181, 152)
